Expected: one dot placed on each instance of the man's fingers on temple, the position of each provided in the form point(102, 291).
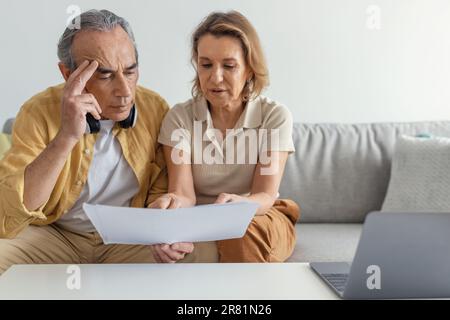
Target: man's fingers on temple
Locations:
point(78, 82)
point(87, 73)
point(77, 71)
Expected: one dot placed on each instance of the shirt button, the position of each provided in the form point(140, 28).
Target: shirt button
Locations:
point(79, 183)
point(87, 151)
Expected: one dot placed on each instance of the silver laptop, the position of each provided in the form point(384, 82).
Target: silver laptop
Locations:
point(399, 255)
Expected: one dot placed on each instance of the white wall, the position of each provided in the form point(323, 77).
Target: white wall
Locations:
point(326, 65)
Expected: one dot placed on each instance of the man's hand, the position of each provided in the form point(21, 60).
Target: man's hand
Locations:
point(41, 174)
point(165, 253)
point(76, 102)
point(166, 201)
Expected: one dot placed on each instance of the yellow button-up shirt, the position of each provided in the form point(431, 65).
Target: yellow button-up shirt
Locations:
point(36, 126)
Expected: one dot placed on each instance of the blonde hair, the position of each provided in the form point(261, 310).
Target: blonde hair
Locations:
point(235, 25)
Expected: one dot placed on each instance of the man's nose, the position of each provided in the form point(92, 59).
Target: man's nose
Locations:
point(122, 87)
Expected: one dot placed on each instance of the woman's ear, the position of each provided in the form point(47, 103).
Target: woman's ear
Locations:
point(64, 70)
point(250, 76)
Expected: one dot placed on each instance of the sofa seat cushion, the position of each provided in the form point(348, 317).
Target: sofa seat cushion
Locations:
point(318, 242)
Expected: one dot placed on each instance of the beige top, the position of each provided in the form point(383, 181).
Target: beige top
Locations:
point(226, 164)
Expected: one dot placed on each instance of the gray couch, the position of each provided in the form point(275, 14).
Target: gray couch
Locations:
point(338, 174)
point(7, 126)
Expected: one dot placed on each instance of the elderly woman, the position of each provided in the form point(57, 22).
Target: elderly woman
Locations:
point(230, 144)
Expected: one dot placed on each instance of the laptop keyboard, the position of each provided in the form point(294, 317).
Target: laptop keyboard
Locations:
point(337, 280)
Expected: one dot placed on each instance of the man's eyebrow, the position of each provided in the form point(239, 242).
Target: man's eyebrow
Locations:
point(104, 70)
point(133, 66)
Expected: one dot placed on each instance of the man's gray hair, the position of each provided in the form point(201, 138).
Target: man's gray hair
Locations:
point(101, 20)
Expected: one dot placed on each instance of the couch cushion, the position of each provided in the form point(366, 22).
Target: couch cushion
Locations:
point(420, 176)
point(340, 172)
point(318, 242)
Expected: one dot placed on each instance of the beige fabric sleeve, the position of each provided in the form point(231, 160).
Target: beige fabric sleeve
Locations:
point(176, 128)
point(278, 123)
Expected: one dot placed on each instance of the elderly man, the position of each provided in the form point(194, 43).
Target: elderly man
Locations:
point(92, 139)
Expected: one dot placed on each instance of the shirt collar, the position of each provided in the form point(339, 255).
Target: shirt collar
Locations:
point(250, 118)
point(106, 126)
point(201, 110)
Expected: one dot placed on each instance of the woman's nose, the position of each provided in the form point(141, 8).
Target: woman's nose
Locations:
point(217, 75)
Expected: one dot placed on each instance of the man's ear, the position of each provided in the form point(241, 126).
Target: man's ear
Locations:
point(64, 70)
point(137, 74)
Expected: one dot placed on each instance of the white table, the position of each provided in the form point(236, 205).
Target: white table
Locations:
point(245, 281)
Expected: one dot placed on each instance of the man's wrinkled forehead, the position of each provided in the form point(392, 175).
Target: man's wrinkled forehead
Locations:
point(111, 49)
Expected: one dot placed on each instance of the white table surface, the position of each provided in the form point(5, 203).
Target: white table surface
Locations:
point(246, 281)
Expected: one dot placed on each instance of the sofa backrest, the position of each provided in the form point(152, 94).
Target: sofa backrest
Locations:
point(340, 172)
point(7, 127)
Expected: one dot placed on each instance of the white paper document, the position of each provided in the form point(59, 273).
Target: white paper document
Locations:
point(151, 226)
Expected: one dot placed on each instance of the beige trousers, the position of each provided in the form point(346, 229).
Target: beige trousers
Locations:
point(269, 238)
point(53, 244)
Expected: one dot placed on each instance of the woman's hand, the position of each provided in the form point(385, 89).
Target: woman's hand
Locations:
point(166, 201)
point(229, 197)
point(165, 253)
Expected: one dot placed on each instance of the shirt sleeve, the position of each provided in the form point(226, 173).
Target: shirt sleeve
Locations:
point(29, 138)
point(158, 177)
point(277, 135)
point(175, 129)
